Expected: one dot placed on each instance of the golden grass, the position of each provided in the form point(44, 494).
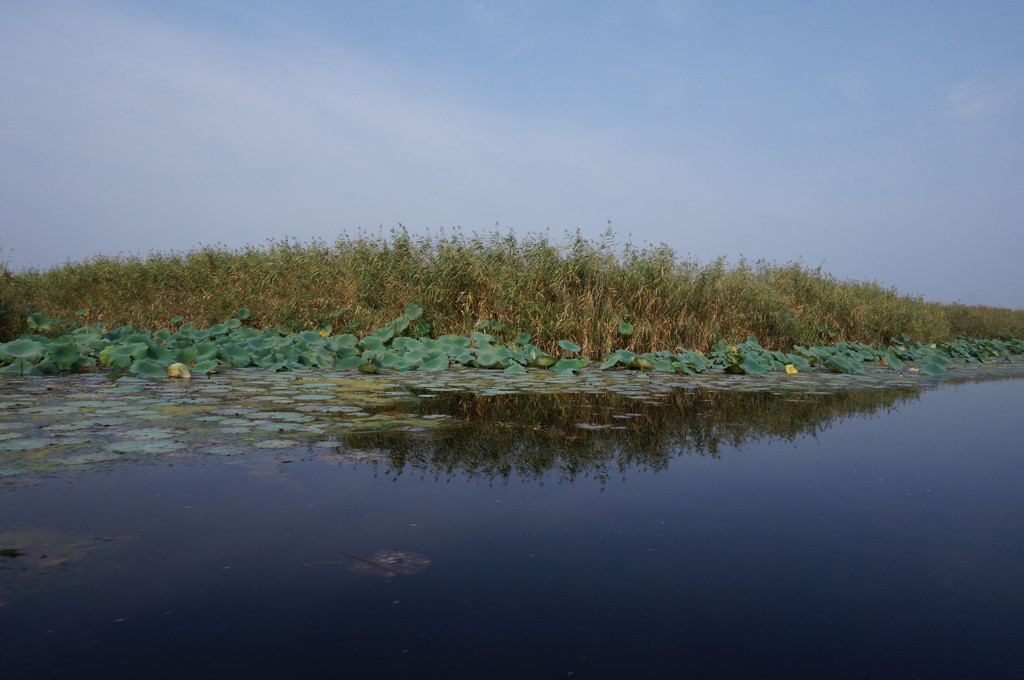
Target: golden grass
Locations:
point(578, 290)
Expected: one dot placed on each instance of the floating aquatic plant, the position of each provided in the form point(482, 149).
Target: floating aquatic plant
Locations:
point(404, 345)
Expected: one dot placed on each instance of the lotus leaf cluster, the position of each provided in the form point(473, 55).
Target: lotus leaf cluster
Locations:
point(405, 345)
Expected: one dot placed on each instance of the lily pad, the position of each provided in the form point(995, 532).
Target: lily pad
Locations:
point(274, 444)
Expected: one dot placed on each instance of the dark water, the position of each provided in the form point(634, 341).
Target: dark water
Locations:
point(839, 535)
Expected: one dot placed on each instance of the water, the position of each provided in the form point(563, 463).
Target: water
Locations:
point(854, 533)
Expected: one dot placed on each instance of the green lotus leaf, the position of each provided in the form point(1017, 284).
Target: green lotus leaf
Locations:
point(462, 356)
point(932, 368)
point(389, 359)
point(206, 351)
point(453, 341)
point(523, 338)
point(349, 363)
point(382, 334)
point(435, 362)
point(838, 364)
point(490, 358)
point(626, 328)
point(565, 366)
point(266, 360)
point(404, 344)
point(177, 320)
point(431, 345)
point(40, 322)
point(238, 358)
point(89, 342)
point(47, 367)
point(24, 348)
point(569, 346)
point(63, 355)
point(413, 311)
point(319, 356)
point(664, 365)
point(205, 367)
point(123, 389)
point(643, 362)
point(799, 363)
point(512, 353)
point(400, 325)
point(232, 324)
point(242, 313)
point(244, 333)
point(343, 352)
point(480, 338)
point(258, 343)
point(336, 342)
point(515, 368)
point(149, 368)
point(159, 351)
point(894, 361)
point(122, 356)
point(754, 364)
point(312, 338)
point(21, 366)
point(683, 367)
point(185, 355)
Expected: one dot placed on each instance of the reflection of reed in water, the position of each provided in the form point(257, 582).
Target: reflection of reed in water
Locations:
point(598, 435)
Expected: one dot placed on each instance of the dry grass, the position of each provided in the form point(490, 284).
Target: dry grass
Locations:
point(577, 289)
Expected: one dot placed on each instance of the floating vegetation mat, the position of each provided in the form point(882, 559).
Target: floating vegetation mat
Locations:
point(60, 424)
point(39, 550)
point(389, 563)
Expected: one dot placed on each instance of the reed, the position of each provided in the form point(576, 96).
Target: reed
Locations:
point(576, 289)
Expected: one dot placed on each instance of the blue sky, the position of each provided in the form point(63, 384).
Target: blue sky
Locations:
point(881, 140)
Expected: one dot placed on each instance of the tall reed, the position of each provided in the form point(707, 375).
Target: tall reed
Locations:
point(576, 289)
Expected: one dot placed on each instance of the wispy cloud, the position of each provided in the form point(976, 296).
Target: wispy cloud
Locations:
point(176, 129)
point(981, 100)
point(513, 27)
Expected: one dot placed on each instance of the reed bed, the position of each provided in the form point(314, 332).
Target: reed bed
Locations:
point(576, 289)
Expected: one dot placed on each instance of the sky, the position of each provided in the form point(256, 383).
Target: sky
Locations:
point(882, 141)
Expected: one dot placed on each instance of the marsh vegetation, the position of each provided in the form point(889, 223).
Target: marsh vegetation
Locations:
point(577, 289)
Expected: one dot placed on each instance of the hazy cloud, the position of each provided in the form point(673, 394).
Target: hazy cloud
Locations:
point(978, 101)
point(129, 126)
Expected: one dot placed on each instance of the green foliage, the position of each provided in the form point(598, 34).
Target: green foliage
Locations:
point(569, 346)
point(485, 300)
point(493, 283)
point(23, 348)
point(229, 344)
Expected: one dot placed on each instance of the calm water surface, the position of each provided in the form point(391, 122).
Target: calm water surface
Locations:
point(886, 542)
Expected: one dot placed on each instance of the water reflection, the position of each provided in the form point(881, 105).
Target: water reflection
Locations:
point(882, 540)
point(482, 424)
point(601, 435)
